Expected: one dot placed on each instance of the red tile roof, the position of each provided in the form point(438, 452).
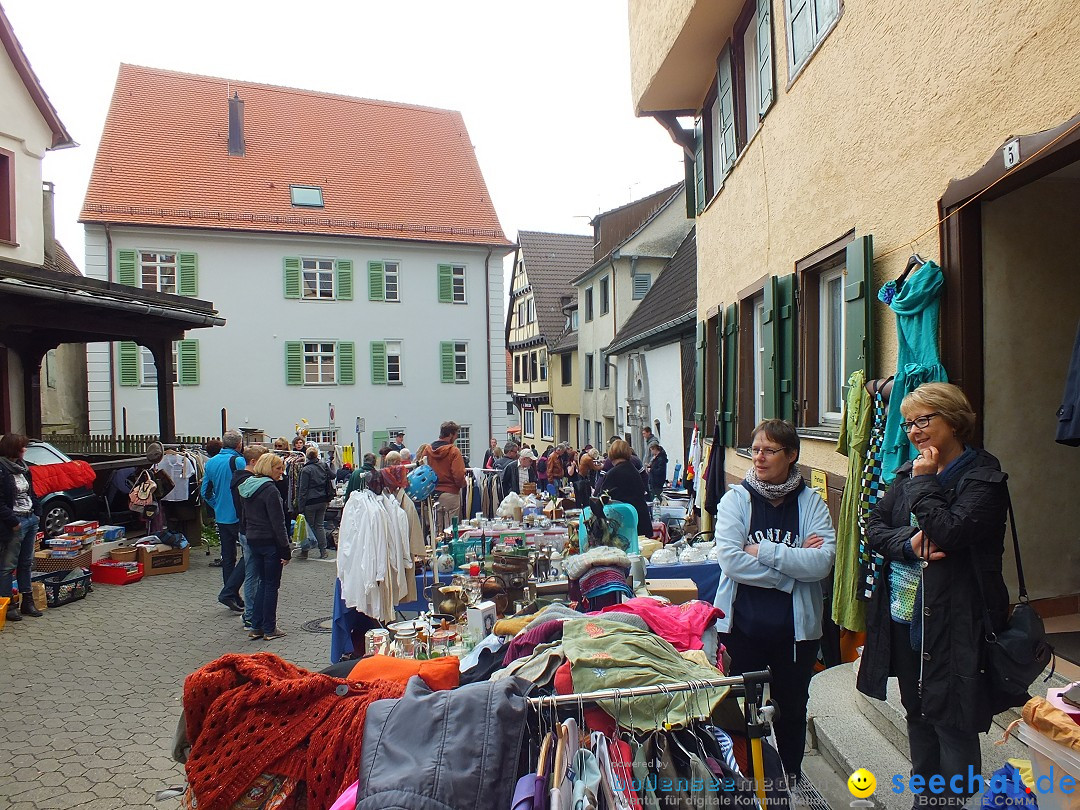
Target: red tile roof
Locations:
point(63, 263)
point(387, 170)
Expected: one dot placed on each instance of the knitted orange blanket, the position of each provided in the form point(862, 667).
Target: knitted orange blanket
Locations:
point(252, 714)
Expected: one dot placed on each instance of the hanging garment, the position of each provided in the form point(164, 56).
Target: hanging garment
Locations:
point(916, 304)
point(847, 611)
point(1068, 428)
point(374, 559)
point(714, 480)
point(871, 490)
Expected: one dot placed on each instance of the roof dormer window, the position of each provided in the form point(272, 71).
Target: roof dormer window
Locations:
point(306, 196)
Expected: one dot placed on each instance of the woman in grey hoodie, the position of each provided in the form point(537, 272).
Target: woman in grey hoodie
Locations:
point(264, 528)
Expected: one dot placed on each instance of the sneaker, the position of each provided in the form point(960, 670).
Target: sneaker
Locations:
point(248, 627)
point(254, 634)
point(274, 634)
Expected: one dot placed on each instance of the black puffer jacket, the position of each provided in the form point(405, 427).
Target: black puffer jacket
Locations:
point(967, 522)
point(314, 484)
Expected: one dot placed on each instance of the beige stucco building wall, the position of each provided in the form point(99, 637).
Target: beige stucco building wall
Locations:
point(900, 98)
point(566, 399)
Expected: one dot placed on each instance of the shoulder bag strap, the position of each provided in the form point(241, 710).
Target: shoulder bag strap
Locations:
point(1023, 595)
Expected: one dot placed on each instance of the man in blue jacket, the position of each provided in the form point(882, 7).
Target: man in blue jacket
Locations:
point(216, 492)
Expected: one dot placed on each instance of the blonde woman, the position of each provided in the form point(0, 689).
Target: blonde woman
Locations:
point(264, 528)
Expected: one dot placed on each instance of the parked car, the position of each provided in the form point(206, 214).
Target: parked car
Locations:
point(59, 508)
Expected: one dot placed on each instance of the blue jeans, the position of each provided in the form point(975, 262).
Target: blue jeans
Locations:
point(252, 578)
point(18, 556)
point(264, 616)
point(231, 575)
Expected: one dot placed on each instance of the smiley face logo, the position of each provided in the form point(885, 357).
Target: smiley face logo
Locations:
point(861, 783)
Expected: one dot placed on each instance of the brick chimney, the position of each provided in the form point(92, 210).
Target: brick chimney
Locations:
point(236, 125)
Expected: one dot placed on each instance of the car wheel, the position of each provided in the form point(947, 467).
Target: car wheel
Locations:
point(57, 514)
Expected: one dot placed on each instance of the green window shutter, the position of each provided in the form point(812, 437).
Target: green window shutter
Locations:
point(729, 405)
point(379, 439)
point(188, 272)
point(129, 363)
point(699, 378)
point(294, 362)
point(726, 94)
point(187, 358)
point(786, 316)
point(376, 281)
point(689, 179)
point(346, 362)
point(292, 278)
point(446, 284)
point(764, 56)
point(126, 268)
point(446, 361)
point(378, 362)
point(699, 167)
point(858, 332)
point(768, 341)
point(344, 269)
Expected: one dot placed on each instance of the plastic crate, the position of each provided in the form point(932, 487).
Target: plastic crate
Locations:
point(60, 592)
point(1054, 761)
point(115, 574)
point(458, 548)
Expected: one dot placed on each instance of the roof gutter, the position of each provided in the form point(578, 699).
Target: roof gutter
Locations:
point(637, 340)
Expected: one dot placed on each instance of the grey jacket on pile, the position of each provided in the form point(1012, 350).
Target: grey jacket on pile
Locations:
point(456, 749)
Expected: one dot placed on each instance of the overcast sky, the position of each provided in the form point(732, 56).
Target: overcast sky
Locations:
point(544, 85)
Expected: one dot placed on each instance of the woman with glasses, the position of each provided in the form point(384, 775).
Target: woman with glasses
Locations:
point(940, 528)
point(775, 543)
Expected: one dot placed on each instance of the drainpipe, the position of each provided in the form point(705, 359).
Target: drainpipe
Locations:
point(487, 330)
point(112, 377)
point(615, 329)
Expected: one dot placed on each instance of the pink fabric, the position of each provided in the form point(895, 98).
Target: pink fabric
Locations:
point(347, 800)
point(680, 625)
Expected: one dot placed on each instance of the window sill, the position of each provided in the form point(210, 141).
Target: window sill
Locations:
point(8, 243)
point(824, 433)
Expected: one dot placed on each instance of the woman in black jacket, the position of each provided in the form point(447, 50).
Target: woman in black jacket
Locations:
point(623, 483)
point(942, 518)
point(18, 523)
point(315, 493)
point(264, 528)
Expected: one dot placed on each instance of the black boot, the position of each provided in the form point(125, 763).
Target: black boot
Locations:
point(13, 614)
point(28, 608)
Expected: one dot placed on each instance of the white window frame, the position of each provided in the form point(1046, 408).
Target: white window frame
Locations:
point(543, 365)
point(605, 295)
point(589, 377)
point(528, 422)
point(530, 311)
point(547, 425)
point(574, 321)
point(323, 435)
point(588, 304)
point(395, 372)
point(759, 359)
point(318, 350)
point(317, 281)
point(148, 368)
point(819, 30)
point(751, 78)
point(830, 357)
point(461, 361)
point(520, 314)
point(392, 281)
point(464, 441)
point(162, 260)
point(457, 283)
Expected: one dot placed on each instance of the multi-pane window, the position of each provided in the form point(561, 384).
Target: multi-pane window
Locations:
point(543, 364)
point(547, 424)
point(574, 321)
point(148, 368)
point(808, 22)
point(588, 372)
point(463, 441)
point(461, 362)
point(158, 271)
point(319, 364)
point(760, 362)
point(317, 277)
point(323, 435)
point(521, 314)
point(528, 418)
point(567, 363)
point(605, 295)
point(391, 287)
point(393, 362)
point(831, 345)
point(588, 305)
point(458, 281)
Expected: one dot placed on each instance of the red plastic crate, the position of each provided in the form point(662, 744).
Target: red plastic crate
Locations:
point(110, 575)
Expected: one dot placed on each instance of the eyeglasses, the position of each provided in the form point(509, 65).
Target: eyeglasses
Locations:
point(766, 451)
point(921, 422)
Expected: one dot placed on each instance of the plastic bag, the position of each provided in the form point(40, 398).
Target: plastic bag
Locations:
point(509, 504)
point(299, 534)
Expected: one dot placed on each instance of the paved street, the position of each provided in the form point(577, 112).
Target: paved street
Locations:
point(91, 691)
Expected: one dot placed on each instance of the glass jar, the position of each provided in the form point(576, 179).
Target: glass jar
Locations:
point(405, 643)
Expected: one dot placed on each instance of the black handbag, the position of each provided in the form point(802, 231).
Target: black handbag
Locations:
point(1018, 654)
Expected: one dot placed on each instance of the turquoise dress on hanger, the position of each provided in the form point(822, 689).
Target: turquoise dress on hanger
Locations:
point(916, 302)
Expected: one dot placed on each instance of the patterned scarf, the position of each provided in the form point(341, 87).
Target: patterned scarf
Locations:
point(773, 491)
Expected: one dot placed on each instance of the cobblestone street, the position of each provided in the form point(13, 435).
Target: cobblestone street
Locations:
point(92, 690)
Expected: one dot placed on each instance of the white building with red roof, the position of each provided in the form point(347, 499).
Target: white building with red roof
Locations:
point(350, 244)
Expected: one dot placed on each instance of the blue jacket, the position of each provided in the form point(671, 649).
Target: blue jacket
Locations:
point(797, 571)
point(217, 477)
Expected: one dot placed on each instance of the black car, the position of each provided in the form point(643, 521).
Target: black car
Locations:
point(60, 508)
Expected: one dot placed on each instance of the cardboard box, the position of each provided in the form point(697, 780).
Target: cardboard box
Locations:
point(481, 619)
point(81, 527)
point(173, 561)
point(109, 533)
point(677, 590)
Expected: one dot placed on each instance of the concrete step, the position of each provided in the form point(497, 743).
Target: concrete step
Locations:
point(889, 717)
point(847, 740)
